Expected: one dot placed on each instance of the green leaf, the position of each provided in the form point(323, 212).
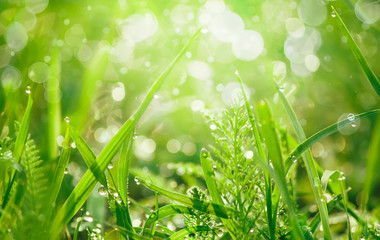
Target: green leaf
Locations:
point(181, 234)
point(166, 211)
point(88, 156)
point(19, 146)
point(306, 144)
point(59, 174)
point(209, 175)
point(203, 206)
point(88, 181)
point(53, 103)
point(332, 179)
point(358, 54)
point(123, 173)
point(310, 166)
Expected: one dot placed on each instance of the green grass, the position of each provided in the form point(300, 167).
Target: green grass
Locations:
point(131, 161)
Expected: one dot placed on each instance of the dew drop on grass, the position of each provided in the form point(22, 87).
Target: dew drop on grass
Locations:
point(67, 119)
point(110, 166)
point(28, 91)
point(351, 117)
point(137, 181)
point(188, 54)
point(102, 191)
point(66, 171)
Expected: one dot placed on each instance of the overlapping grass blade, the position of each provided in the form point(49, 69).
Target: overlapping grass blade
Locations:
point(54, 104)
point(310, 166)
point(372, 164)
point(88, 181)
point(358, 54)
point(272, 142)
point(19, 146)
point(213, 189)
point(322, 134)
point(203, 206)
point(88, 156)
point(123, 173)
point(56, 183)
point(281, 184)
point(181, 234)
point(166, 211)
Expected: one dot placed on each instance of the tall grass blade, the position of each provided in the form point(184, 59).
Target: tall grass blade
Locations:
point(272, 142)
point(54, 104)
point(123, 172)
point(203, 206)
point(88, 181)
point(59, 174)
point(310, 167)
point(281, 184)
point(88, 156)
point(19, 146)
point(322, 134)
point(213, 189)
point(358, 54)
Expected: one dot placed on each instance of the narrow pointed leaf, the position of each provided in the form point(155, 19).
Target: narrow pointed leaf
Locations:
point(88, 181)
point(88, 155)
point(181, 234)
point(166, 211)
point(203, 206)
point(358, 54)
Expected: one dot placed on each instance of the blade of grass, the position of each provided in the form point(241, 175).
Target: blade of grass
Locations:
point(88, 181)
point(88, 156)
point(282, 185)
point(166, 211)
point(272, 142)
point(357, 53)
point(372, 164)
point(181, 234)
point(305, 145)
point(123, 172)
point(59, 174)
point(53, 105)
point(310, 166)
point(203, 206)
point(19, 146)
point(213, 189)
point(259, 145)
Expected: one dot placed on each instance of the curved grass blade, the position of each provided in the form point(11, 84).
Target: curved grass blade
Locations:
point(310, 166)
point(213, 189)
point(88, 181)
point(358, 54)
point(203, 206)
point(181, 234)
point(322, 134)
point(19, 146)
point(166, 211)
point(88, 156)
point(156, 234)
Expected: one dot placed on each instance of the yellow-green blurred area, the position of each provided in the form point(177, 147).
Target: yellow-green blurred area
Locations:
point(95, 60)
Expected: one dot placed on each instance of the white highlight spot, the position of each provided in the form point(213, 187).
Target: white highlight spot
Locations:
point(248, 45)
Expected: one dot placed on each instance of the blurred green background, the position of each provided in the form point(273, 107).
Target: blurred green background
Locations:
point(93, 61)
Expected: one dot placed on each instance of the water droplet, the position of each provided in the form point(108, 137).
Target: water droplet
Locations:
point(237, 72)
point(155, 96)
point(213, 127)
point(333, 14)
point(281, 88)
point(188, 54)
point(102, 191)
point(73, 145)
point(67, 119)
point(317, 182)
point(204, 30)
point(66, 171)
point(28, 91)
point(351, 117)
point(137, 181)
point(110, 166)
